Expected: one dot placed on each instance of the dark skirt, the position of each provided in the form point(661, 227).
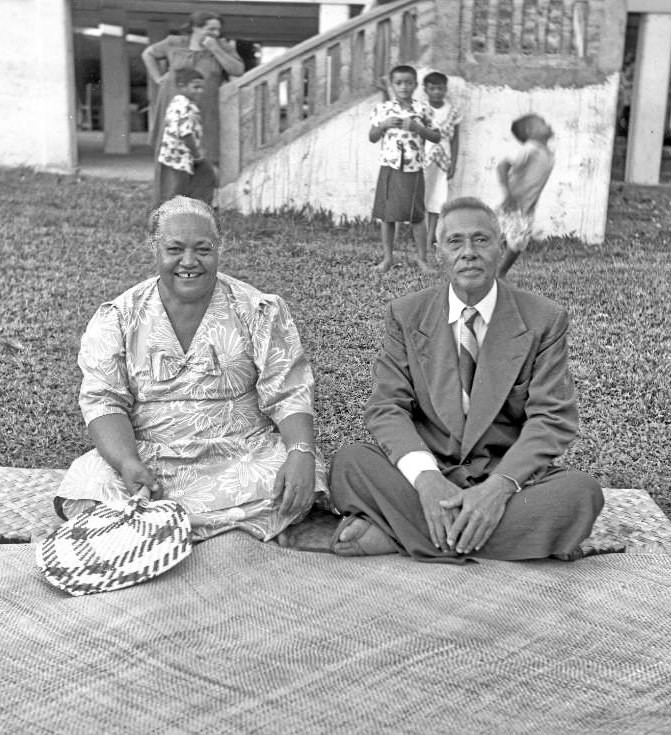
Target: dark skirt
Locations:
point(399, 196)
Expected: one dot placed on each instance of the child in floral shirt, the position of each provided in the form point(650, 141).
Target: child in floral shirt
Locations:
point(402, 124)
point(183, 168)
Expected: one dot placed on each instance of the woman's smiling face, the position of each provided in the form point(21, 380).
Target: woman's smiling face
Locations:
point(187, 257)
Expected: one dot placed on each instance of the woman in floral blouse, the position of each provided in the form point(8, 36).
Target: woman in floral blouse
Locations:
point(196, 388)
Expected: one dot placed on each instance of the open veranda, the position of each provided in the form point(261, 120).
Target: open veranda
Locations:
point(68, 244)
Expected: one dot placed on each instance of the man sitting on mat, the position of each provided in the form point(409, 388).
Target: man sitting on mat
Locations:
point(472, 403)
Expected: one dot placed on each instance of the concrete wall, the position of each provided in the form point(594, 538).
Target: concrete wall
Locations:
point(575, 199)
point(37, 85)
point(335, 167)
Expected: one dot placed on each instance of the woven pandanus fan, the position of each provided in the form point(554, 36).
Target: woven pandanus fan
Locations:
point(103, 549)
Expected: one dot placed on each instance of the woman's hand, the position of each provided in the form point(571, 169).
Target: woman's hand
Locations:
point(137, 477)
point(295, 483)
point(227, 45)
point(209, 42)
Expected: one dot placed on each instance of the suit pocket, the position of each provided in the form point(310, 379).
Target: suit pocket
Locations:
point(516, 401)
point(519, 389)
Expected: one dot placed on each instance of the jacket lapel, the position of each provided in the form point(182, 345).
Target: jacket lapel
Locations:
point(438, 361)
point(503, 352)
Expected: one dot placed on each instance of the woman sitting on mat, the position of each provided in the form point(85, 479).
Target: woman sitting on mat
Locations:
point(196, 388)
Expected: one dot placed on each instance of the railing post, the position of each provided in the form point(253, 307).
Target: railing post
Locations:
point(229, 133)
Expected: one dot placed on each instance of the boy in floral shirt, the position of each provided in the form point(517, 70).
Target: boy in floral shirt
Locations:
point(183, 168)
point(402, 124)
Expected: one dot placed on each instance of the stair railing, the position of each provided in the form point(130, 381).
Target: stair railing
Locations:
point(279, 101)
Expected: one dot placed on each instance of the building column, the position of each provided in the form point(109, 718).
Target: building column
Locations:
point(332, 15)
point(115, 82)
point(649, 99)
point(54, 59)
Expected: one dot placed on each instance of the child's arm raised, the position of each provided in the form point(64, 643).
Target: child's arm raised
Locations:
point(377, 131)
point(430, 134)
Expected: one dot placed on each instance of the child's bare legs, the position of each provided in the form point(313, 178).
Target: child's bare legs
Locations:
point(388, 230)
point(507, 261)
point(419, 236)
point(431, 224)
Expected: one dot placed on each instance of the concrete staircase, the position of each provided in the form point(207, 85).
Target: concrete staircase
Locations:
point(273, 105)
point(294, 132)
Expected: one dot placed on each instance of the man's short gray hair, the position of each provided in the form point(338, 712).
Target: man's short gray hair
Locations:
point(181, 205)
point(466, 203)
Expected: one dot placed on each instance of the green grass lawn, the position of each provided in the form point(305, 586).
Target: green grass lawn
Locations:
point(68, 244)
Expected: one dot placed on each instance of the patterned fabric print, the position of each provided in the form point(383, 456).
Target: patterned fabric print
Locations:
point(182, 118)
point(205, 420)
point(516, 227)
point(401, 149)
point(446, 119)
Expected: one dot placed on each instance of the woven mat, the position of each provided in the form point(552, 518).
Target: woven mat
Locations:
point(630, 518)
point(249, 637)
point(26, 502)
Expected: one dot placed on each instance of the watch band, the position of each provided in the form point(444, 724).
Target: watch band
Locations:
point(302, 447)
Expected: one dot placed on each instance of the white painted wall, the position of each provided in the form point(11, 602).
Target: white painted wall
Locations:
point(37, 85)
point(335, 167)
point(575, 199)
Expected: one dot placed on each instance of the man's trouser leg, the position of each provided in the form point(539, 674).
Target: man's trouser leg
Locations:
point(550, 517)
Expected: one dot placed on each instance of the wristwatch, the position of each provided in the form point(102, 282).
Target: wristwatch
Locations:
point(302, 447)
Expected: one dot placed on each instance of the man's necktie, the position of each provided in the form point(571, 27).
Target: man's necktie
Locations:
point(468, 354)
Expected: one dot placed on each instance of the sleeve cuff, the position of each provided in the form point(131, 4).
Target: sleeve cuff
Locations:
point(412, 464)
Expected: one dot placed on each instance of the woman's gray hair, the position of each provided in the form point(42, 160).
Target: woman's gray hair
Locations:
point(181, 205)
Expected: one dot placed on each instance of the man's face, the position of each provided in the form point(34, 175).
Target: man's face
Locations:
point(404, 84)
point(469, 248)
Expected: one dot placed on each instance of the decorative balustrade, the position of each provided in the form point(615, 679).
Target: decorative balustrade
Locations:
point(279, 101)
point(527, 42)
point(523, 43)
point(551, 28)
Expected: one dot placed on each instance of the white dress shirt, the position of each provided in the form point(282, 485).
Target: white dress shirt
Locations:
point(410, 465)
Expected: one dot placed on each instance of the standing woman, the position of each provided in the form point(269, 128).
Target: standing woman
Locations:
point(215, 58)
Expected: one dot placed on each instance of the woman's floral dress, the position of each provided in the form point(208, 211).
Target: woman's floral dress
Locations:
point(205, 420)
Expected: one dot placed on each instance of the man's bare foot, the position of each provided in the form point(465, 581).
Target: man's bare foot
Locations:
point(384, 265)
point(360, 537)
point(356, 528)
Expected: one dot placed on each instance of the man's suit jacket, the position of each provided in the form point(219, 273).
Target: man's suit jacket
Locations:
point(523, 410)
